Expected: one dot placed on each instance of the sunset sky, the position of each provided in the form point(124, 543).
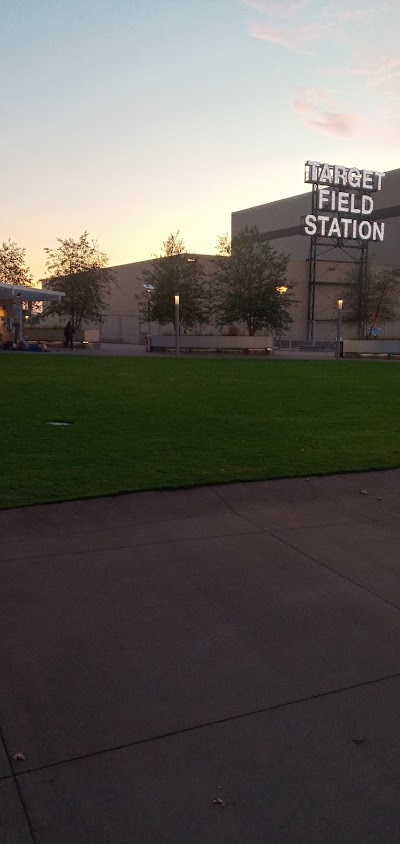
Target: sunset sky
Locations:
point(135, 118)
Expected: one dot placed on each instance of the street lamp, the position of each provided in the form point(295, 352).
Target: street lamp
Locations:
point(338, 327)
point(177, 325)
point(282, 289)
point(149, 288)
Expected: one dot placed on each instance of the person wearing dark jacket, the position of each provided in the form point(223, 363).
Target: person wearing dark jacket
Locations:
point(69, 332)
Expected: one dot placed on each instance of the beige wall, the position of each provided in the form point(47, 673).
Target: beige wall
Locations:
point(122, 318)
point(122, 321)
point(331, 287)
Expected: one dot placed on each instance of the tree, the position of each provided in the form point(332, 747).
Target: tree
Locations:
point(224, 245)
point(78, 269)
point(249, 284)
point(371, 298)
point(12, 265)
point(173, 272)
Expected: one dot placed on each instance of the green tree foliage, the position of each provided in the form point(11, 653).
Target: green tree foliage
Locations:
point(173, 272)
point(12, 265)
point(78, 269)
point(245, 285)
point(371, 299)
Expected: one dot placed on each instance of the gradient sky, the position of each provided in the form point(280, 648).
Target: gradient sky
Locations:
point(135, 118)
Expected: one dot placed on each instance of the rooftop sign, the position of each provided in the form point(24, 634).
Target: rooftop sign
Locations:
point(343, 201)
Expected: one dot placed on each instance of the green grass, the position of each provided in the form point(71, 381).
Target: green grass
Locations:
point(142, 423)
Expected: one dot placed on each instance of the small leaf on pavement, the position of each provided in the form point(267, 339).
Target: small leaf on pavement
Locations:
point(19, 757)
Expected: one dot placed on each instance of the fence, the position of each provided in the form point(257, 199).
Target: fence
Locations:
point(285, 344)
point(122, 328)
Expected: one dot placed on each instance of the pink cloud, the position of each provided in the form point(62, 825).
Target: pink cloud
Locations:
point(294, 37)
point(351, 15)
point(315, 107)
point(309, 99)
point(334, 26)
point(265, 33)
point(334, 123)
point(312, 31)
point(283, 9)
point(379, 72)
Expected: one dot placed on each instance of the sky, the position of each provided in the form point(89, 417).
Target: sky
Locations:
point(132, 119)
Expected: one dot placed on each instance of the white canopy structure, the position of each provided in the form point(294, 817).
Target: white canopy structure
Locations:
point(12, 299)
point(28, 294)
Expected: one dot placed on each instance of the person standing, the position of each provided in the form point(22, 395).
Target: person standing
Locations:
point(69, 332)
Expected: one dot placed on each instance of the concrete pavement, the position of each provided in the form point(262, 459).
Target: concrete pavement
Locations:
point(212, 665)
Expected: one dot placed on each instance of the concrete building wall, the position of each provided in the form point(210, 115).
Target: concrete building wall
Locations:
point(122, 321)
point(281, 220)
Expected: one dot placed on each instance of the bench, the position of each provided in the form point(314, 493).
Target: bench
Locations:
point(209, 343)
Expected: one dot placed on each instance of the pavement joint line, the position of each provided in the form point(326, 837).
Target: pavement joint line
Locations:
point(227, 504)
point(205, 725)
point(14, 777)
point(231, 510)
point(319, 525)
point(137, 545)
point(111, 527)
point(272, 533)
point(334, 571)
point(313, 559)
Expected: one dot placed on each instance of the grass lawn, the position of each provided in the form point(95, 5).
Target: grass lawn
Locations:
point(142, 423)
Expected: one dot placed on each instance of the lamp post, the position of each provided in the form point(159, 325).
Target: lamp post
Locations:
point(149, 288)
point(177, 325)
point(338, 327)
point(281, 290)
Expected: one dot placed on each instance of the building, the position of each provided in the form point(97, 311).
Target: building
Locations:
point(280, 223)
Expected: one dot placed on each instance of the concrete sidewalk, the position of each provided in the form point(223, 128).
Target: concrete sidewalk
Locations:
point(212, 666)
point(131, 350)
